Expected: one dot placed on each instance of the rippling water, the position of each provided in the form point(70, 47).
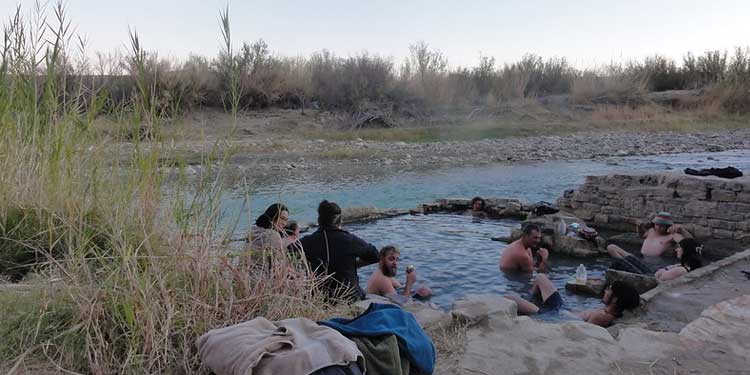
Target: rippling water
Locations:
point(455, 256)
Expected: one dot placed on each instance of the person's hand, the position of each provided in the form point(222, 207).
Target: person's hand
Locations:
point(674, 229)
point(543, 254)
point(411, 277)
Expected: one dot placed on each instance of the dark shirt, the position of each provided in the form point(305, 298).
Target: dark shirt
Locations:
point(334, 251)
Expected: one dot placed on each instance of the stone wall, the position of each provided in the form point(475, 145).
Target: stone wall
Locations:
point(712, 208)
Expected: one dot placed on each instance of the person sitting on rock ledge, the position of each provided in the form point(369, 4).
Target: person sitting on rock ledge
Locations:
point(383, 282)
point(268, 231)
point(618, 297)
point(658, 237)
point(518, 257)
point(688, 252)
point(334, 252)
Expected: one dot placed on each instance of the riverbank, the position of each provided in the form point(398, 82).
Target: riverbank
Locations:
point(269, 154)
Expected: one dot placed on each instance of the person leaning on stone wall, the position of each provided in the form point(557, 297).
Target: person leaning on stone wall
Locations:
point(658, 237)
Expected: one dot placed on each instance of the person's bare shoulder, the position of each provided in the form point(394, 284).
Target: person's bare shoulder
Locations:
point(600, 318)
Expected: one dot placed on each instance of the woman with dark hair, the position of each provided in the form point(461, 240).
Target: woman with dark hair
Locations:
point(688, 252)
point(268, 231)
point(618, 297)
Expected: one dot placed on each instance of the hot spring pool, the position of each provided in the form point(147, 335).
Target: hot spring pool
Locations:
point(455, 256)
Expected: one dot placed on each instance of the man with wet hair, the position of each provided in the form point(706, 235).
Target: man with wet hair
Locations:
point(477, 207)
point(383, 282)
point(332, 251)
point(658, 237)
point(518, 257)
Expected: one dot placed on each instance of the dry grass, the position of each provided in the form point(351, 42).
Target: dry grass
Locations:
point(450, 342)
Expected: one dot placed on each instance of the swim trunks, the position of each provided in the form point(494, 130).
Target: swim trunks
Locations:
point(631, 264)
point(553, 302)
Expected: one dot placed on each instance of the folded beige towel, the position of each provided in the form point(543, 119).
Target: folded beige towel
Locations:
point(293, 346)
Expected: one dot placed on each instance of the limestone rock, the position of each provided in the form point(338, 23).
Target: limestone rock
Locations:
point(475, 308)
point(427, 316)
point(642, 283)
point(725, 323)
point(593, 287)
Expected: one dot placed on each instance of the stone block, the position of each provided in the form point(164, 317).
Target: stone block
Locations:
point(610, 210)
point(591, 207)
point(723, 196)
point(726, 215)
point(475, 308)
point(592, 287)
point(601, 219)
point(701, 232)
point(743, 197)
point(427, 316)
point(722, 224)
point(699, 208)
point(642, 283)
point(723, 233)
point(737, 186)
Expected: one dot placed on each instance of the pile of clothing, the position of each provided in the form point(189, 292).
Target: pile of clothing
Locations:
point(383, 340)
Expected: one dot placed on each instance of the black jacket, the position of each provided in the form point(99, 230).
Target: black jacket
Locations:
point(334, 251)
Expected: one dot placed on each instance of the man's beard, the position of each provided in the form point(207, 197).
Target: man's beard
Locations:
point(388, 272)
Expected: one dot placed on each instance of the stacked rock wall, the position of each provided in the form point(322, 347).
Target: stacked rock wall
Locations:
point(711, 208)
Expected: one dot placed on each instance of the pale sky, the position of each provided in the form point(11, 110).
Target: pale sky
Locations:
point(587, 32)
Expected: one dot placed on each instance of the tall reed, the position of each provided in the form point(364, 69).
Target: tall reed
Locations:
point(119, 280)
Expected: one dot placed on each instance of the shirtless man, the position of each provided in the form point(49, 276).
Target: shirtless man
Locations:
point(517, 256)
point(477, 207)
point(382, 281)
point(662, 236)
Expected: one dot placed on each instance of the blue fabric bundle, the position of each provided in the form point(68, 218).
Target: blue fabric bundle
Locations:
point(381, 319)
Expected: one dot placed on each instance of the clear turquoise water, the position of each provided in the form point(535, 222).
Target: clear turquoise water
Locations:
point(454, 254)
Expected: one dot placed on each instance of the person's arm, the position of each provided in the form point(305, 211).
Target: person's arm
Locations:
point(411, 278)
point(599, 318)
point(525, 262)
point(679, 232)
point(543, 256)
point(366, 253)
point(585, 314)
point(667, 274)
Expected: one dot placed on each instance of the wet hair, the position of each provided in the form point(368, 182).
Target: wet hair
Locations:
point(477, 199)
point(387, 250)
point(627, 296)
point(272, 213)
point(329, 214)
point(690, 255)
point(531, 228)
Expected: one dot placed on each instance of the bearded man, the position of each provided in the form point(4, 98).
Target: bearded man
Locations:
point(383, 282)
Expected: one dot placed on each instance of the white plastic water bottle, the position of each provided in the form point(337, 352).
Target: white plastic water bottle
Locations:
point(581, 274)
point(562, 228)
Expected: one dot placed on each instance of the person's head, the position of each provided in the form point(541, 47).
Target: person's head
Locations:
point(688, 251)
point(477, 204)
point(389, 256)
point(329, 214)
point(662, 221)
point(622, 296)
point(292, 229)
point(531, 236)
point(275, 217)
